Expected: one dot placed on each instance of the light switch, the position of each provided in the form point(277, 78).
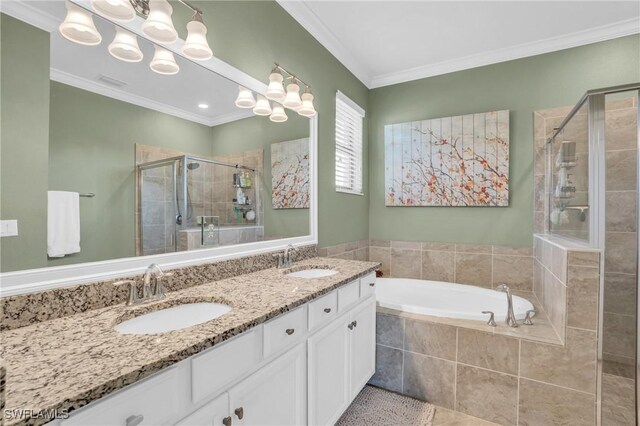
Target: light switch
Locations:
point(8, 228)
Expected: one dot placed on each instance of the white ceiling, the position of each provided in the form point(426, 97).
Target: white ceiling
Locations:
point(87, 66)
point(388, 42)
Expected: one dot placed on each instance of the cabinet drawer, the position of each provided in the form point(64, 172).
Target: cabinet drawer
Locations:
point(348, 295)
point(368, 285)
point(156, 401)
point(212, 414)
point(322, 310)
point(285, 330)
point(220, 365)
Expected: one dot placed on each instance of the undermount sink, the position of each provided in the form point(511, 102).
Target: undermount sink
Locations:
point(312, 273)
point(174, 318)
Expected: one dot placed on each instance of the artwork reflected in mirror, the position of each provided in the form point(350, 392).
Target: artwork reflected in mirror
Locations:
point(158, 163)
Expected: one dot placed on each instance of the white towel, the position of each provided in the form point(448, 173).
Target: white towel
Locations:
point(63, 223)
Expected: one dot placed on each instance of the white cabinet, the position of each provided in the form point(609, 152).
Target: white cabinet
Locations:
point(275, 395)
point(214, 413)
point(329, 372)
point(341, 361)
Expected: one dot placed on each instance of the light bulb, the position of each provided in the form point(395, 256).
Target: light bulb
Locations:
point(263, 107)
point(117, 10)
point(245, 98)
point(159, 26)
point(78, 26)
point(163, 62)
point(292, 100)
point(275, 91)
point(196, 46)
point(307, 109)
point(125, 46)
point(278, 115)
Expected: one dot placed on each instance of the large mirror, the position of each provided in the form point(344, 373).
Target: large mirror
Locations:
point(152, 163)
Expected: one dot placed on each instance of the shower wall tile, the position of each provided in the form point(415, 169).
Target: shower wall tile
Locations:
point(621, 211)
point(620, 293)
point(583, 258)
point(621, 252)
point(582, 297)
point(619, 335)
point(621, 130)
point(473, 269)
point(512, 251)
point(515, 271)
point(621, 170)
point(542, 404)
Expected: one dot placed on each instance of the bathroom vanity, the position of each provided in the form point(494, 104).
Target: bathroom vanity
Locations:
point(291, 351)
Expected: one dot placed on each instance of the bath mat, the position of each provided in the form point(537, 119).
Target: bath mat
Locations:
point(378, 407)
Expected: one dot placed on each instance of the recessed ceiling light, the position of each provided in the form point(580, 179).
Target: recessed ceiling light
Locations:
point(203, 105)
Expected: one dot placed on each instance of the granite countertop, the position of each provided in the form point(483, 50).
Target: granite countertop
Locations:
point(66, 363)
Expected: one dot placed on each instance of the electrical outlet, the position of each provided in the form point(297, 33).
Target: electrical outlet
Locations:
point(8, 228)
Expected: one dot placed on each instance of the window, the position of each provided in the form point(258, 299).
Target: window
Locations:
point(349, 118)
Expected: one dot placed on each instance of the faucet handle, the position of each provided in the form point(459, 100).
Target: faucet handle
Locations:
point(133, 290)
point(492, 321)
point(530, 314)
point(502, 287)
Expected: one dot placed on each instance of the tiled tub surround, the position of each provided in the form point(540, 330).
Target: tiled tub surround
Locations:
point(23, 310)
point(66, 363)
point(356, 250)
point(502, 379)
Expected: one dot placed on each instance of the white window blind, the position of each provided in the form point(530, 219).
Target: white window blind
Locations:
point(349, 118)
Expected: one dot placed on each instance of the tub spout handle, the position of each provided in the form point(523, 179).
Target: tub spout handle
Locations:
point(492, 321)
point(530, 314)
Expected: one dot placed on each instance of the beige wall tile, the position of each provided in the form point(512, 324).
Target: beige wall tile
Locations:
point(406, 245)
point(406, 263)
point(620, 255)
point(621, 129)
point(474, 269)
point(388, 373)
point(618, 400)
point(538, 280)
point(390, 330)
point(572, 366)
point(473, 248)
point(487, 394)
point(538, 249)
point(621, 211)
point(554, 302)
point(538, 126)
point(438, 265)
point(559, 263)
point(487, 350)
point(515, 271)
point(622, 167)
point(380, 243)
point(547, 255)
point(439, 246)
point(430, 339)
point(584, 258)
point(349, 255)
point(513, 251)
point(362, 253)
point(619, 335)
point(429, 379)
point(322, 252)
point(539, 223)
point(582, 297)
point(547, 405)
point(334, 250)
point(382, 255)
point(620, 293)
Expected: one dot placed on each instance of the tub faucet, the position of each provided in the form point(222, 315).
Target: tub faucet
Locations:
point(510, 320)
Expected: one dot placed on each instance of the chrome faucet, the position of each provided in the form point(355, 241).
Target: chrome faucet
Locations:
point(510, 320)
point(286, 259)
point(157, 291)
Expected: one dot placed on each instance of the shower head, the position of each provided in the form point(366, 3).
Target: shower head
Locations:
point(193, 166)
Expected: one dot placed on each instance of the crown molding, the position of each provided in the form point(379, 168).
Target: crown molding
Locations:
point(567, 41)
point(303, 14)
point(121, 95)
point(30, 14)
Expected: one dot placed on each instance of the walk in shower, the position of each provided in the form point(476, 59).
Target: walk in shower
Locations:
point(187, 203)
point(592, 199)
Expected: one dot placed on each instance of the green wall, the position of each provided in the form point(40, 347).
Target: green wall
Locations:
point(259, 132)
point(92, 149)
point(521, 86)
point(252, 35)
point(24, 141)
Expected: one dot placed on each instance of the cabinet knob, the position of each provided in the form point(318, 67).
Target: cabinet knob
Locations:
point(350, 326)
point(134, 420)
point(239, 412)
point(372, 284)
point(226, 421)
point(327, 310)
point(290, 331)
point(355, 323)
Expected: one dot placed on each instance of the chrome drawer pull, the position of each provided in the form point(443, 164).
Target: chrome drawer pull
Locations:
point(239, 412)
point(327, 310)
point(134, 420)
point(226, 421)
point(289, 331)
point(350, 326)
point(355, 323)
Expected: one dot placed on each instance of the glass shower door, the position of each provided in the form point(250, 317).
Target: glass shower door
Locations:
point(156, 211)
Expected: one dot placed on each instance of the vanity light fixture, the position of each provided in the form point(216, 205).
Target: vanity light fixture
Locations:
point(245, 98)
point(292, 100)
point(196, 46)
point(263, 107)
point(116, 10)
point(78, 26)
point(163, 62)
point(159, 26)
point(278, 115)
point(202, 105)
point(307, 109)
point(275, 91)
point(125, 46)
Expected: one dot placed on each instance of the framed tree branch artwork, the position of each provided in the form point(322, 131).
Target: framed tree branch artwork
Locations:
point(290, 174)
point(452, 161)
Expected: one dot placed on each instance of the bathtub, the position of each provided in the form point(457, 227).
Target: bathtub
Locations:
point(442, 299)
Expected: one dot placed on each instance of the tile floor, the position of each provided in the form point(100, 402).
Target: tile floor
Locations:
point(446, 417)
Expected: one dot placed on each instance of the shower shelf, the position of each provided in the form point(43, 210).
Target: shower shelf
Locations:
point(242, 187)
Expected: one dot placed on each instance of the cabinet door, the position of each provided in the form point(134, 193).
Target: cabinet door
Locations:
point(274, 395)
point(212, 414)
point(329, 372)
point(362, 346)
